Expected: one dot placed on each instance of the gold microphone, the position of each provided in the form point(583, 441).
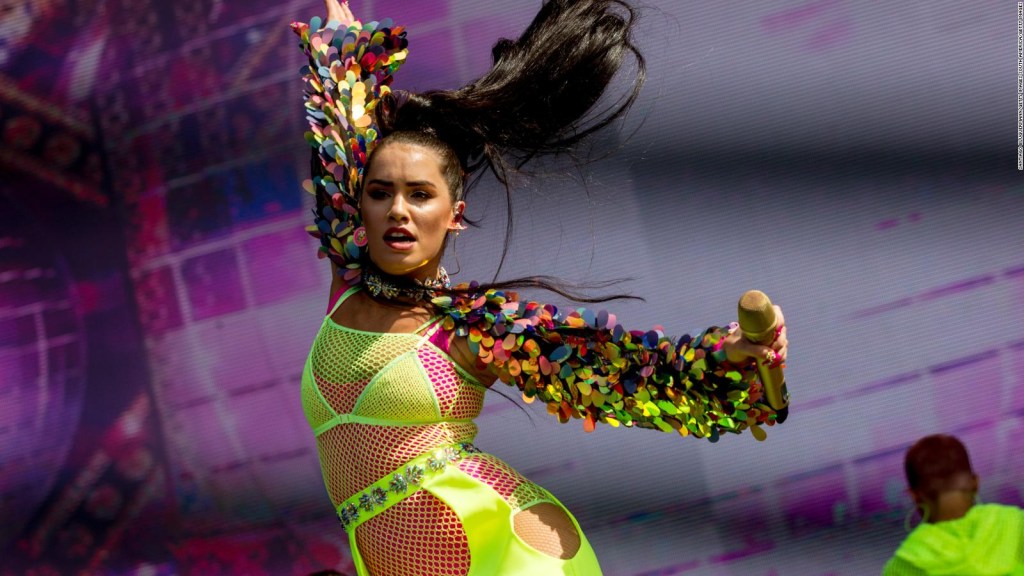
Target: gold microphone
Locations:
point(757, 320)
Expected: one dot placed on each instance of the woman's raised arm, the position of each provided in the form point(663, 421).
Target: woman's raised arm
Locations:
point(350, 69)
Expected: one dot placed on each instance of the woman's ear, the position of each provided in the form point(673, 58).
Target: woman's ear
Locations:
point(916, 496)
point(456, 223)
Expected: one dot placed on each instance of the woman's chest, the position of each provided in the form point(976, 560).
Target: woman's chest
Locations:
point(399, 377)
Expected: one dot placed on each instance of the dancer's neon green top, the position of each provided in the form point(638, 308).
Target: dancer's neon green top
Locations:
point(393, 415)
point(987, 541)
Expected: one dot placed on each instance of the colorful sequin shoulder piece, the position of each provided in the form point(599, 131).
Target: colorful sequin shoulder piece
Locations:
point(349, 71)
point(582, 364)
point(585, 365)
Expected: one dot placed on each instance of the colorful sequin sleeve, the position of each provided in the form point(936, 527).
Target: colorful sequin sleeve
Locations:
point(585, 365)
point(349, 70)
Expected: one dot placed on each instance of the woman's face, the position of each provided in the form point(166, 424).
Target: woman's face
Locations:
point(407, 210)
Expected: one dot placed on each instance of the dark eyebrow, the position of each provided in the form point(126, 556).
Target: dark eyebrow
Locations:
point(420, 184)
point(410, 184)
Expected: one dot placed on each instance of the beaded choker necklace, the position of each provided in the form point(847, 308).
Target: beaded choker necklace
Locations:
point(400, 288)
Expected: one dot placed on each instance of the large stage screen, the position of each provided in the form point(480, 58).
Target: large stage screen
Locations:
point(158, 293)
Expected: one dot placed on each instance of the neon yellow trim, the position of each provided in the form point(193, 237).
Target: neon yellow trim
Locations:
point(357, 419)
point(426, 378)
point(344, 296)
point(309, 380)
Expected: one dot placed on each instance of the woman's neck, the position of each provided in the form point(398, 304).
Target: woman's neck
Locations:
point(951, 505)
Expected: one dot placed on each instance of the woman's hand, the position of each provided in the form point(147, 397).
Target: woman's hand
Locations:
point(739, 350)
point(339, 12)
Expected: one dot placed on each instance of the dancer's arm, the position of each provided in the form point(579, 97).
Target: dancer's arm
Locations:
point(350, 68)
point(585, 365)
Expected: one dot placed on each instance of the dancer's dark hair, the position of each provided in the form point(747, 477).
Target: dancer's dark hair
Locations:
point(934, 461)
point(539, 98)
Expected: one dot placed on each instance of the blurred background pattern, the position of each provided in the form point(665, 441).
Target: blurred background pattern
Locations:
point(158, 294)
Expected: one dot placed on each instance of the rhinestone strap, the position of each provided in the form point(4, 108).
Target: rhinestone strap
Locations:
point(399, 485)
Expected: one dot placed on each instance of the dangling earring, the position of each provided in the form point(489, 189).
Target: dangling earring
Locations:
point(455, 252)
point(924, 517)
point(458, 226)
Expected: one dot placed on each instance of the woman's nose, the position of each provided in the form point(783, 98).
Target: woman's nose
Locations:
point(399, 209)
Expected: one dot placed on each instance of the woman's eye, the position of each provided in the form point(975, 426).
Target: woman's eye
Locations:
point(377, 194)
point(421, 195)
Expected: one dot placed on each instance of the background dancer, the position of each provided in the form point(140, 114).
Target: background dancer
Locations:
point(957, 535)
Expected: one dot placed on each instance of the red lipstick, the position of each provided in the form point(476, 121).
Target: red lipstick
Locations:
point(399, 239)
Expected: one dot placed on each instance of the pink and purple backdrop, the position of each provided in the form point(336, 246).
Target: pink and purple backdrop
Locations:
point(158, 294)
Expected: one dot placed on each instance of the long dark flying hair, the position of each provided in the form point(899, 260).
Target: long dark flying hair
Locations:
point(539, 98)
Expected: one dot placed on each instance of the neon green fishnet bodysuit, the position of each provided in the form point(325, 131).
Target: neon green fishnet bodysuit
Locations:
point(385, 403)
point(393, 413)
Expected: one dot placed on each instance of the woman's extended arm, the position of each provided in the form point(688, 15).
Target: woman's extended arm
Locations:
point(585, 365)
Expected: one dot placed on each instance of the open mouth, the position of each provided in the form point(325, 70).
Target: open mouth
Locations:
point(398, 239)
